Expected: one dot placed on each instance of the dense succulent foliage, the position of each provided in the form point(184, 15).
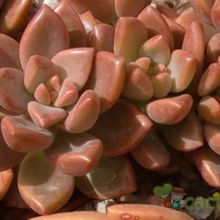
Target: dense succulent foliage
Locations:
point(90, 88)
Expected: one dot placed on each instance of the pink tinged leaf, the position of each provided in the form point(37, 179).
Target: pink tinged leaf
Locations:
point(75, 154)
point(118, 181)
point(155, 24)
point(77, 63)
point(151, 152)
point(213, 48)
point(173, 167)
point(88, 21)
point(212, 135)
point(84, 113)
point(203, 9)
point(157, 49)
point(138, 85)
point(194, 42)
point(107, 78)
point(128, 7)
point(8, 157)
point(210, 80)
point(144, 63)
point(215, 14)
point(76, 215)
point(75, 28)
point(39, 70)
point(207, 162)
point(185, 136)
point(43, 187)
point(182, 69)
point(209, 109)
point(67, 95)
point(53, 83)
point(10, 52)
point(23, 135)
point(177, 30)
point(104, 12)
point(146, 212)
point(102, 37)
point(45, 116)
point(130, 34)
point(42, 94)
point(162, 84)
point(187, 17)
point(14, 15)
point(6, 178)
point(53, 95)
point(126, 127)
point(170, 110)
point(13, 96)
point(80, 6)
point(6, 60)
point(38, 39)
point(13, 197)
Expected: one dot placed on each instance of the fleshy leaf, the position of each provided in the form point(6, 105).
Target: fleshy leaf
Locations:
point(13, 96)
point(155, 24)
point(177, 30)
point(76, 215)
point(84, 113)
point(210, 79)
point(42, 94)
point(38, 39)
point(162, 84)
point(14, 15)
point(74, 26)
point(75, 154)
point(88, 21)
point(39, 70)
point(6, 178)
point(45, 116)
point(209, 109)
point(203, 9)
point(102, 37)
point(213, 48)
point(126, 127)
point(8, 157)
point(182, 69)
point(151, 152)
point(170, 110)
point(185, 136)
point(194, 42)
point(107, 78)
point(10, 50)
point(138, 85)
point(212, 135)
point(100, 184)
point(215, 14)
point(130, 34)
point(128, 7)
point(144, 63)
point(157, 49)
point(77, 63)
point(23, 135)
point(146, 212)
point(207, 163)
point(67, 95)
point(43, 187)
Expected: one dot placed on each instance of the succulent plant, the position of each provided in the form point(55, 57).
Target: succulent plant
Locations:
point(88, 89)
